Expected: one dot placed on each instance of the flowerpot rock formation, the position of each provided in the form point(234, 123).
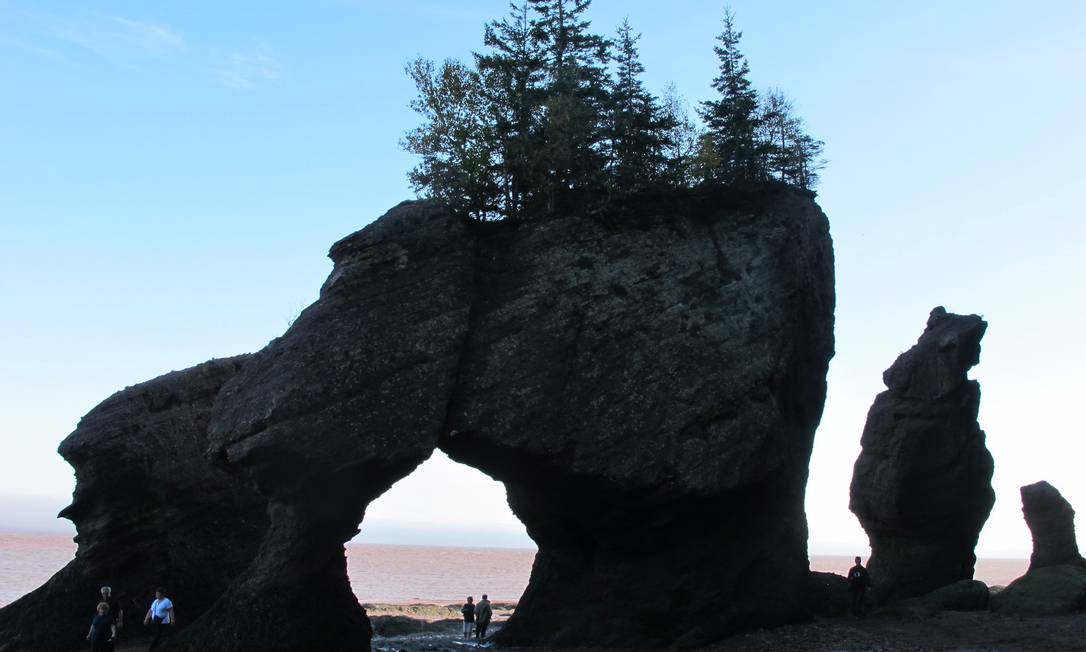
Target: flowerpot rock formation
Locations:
point(922, 485)
point(645, 382)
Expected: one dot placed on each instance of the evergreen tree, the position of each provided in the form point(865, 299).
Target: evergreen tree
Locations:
point(682, 142)
point(787, 152)
point(576, 99)
point(776, 134)
point(732, 120)
point(639, 129)
point(455, 141)
point(512, 75)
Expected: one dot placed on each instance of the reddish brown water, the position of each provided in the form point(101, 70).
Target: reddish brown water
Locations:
point(395, 574)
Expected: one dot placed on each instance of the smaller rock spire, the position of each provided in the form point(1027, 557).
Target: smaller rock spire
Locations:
point(1051, 521)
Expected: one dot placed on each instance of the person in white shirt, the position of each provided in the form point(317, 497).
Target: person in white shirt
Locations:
point(160, 616)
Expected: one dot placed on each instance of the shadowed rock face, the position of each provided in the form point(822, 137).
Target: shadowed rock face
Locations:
point(149, 511)
point(1051, 521)
point(921, 487)
point(646, 388)
point(648, 393)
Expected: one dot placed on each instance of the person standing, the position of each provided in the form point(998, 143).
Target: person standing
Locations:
point(102, 630)
point(483, 613)
point(160, 616)
point(858, 583)
point(468, 610)
point(116, 611)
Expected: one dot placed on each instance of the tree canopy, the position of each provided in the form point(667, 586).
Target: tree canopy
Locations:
point(552, 115)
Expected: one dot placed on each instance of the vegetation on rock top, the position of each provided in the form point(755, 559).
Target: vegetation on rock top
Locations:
point(552, 115)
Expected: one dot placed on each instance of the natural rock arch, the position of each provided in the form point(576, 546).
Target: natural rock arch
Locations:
point(646, 386)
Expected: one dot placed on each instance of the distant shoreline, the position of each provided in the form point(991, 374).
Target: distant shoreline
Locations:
point(397, 576)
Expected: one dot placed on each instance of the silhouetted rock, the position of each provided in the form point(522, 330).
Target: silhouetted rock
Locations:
point(149, 511)
point(921, 487)
point(964, 595)
point(647, 389)
point(828, 594)
point(1051, 521)
point(1044, 591)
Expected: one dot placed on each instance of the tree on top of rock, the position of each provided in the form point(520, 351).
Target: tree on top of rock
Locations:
point(733, 118)
point(456, 143)
point(512, 81)
point(640, 130)
point(787, 152)
point(576, 98)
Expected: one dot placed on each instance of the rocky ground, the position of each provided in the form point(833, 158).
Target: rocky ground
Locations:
point(972, 632)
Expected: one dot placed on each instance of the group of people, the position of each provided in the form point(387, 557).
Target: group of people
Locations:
point(476, 617)
point(109, 620)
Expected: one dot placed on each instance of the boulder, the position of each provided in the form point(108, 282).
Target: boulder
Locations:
point(1044, 591)
point(645, 383)
point(1051, 521)
point(149, 511)
point(921, 486)
point(964, 595)
point(828, 594)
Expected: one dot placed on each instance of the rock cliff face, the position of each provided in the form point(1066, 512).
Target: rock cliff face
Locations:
point(1051, 521)
point(149, 511)
point(647, 389)
point(922, 484)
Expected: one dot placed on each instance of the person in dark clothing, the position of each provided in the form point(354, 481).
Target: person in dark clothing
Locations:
point(858, 582)
point(116, 611)
point(469, 616)
point(102, 630)
point(483, 614)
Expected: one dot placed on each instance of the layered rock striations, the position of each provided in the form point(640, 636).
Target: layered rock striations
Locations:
point(149, 512)
point(921, 486)
point(646, 384)
point(1051, 521)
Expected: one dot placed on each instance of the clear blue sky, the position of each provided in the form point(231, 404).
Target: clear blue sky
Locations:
point(172, 174)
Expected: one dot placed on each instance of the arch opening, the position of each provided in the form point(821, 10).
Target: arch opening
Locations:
point(442, 533)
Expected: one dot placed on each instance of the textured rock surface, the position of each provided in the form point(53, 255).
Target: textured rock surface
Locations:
point(149, 511)
point(646, 389)
point(964, 595)
point(1051, 521)
point(921, 486)
point(352, 398)
point(1045, 591)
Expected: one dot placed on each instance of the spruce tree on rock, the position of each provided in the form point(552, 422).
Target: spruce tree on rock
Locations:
point(732, 120)
point(576, 100)
point(639, 130)
point(512, 74)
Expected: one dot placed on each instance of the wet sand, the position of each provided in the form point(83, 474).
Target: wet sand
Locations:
point(958, 632)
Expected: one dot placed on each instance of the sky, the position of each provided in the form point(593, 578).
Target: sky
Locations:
point(172, 175)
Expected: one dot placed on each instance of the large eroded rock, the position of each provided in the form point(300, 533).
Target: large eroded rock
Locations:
point(1051, 521)
point(149, 511)
point(646, 385)
point(646, 389)
point(921, 486)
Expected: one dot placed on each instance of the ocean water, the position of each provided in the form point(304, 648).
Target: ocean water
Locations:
point(394, 574)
